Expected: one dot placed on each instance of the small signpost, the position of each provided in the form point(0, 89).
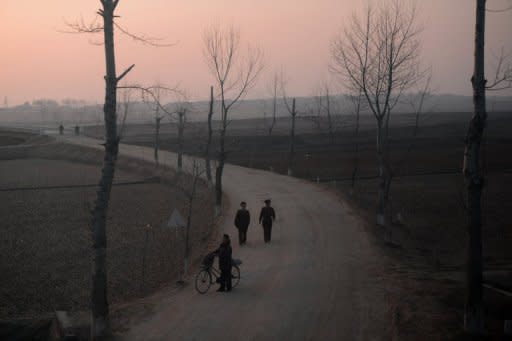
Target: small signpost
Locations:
point(176, 221)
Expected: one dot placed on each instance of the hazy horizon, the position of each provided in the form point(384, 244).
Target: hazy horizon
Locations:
point(41, 62)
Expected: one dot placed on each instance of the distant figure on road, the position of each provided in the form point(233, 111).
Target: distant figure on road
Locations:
point(267, 217)
point(224, 253)
point(61, 129)
point(242, 221)
point(77, 130)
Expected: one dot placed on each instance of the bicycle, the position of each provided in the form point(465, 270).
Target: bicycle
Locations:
point(209, 274)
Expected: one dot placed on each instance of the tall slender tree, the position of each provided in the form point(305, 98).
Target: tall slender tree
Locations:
point(182, 120)
point(473, 316)
point(291, 155)
point(292, 110)
point(207, 152)
point(378, 56)
point(99, 302)
point(275, 84)
point(357, 103)
point(235, 74)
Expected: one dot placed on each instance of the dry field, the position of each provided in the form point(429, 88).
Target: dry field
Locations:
point(45, 244)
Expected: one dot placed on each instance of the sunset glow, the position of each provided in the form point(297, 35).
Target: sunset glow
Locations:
point(40, 61)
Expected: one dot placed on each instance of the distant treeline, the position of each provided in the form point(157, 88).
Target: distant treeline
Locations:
point(48, 111)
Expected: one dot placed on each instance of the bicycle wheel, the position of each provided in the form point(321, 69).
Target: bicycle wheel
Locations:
point(203, 281)
point(235, 275)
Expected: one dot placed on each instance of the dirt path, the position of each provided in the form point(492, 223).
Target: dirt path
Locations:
point(313, 282)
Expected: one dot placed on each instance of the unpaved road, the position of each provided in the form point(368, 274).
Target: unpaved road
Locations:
point(315, 281)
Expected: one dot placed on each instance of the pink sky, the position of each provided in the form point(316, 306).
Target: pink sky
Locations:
point(37, 61)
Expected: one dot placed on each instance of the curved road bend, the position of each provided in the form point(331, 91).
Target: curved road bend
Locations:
point(314, 281)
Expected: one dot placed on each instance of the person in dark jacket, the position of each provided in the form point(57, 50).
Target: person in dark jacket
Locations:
point(224, 253)
point(242, 221)
point(267, 217)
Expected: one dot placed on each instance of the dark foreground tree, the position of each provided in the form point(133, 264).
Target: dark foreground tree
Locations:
point(472, 170)
point(473, 315)
point(99, 303)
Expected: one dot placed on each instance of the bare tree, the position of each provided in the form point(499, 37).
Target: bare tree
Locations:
point(471, 169)
point(207, 153)
point(357, 104)
point(125, 108)
point(156, 106)
point(314, 113)
point(379, 56)
point(235, 74)
point(329, 113)
point(473, 315)
point(293, 116)
point(325, 104)
point(188, 187)
point(417, 102)
point(275, 84)
point(182, 120)
point(99, 302)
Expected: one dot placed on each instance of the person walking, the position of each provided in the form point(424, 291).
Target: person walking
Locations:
point(267, 217)
point(224, 253)
point(242, 221)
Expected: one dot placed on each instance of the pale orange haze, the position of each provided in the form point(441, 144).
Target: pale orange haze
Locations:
point(38, 61)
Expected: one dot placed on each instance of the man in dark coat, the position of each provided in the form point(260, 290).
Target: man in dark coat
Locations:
point(267, 217)
point(242, 221)
point(224, 253)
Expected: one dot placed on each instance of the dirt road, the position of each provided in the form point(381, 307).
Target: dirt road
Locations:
point(314, 281)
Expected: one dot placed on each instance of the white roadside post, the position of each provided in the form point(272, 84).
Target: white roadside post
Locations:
point(177, 222)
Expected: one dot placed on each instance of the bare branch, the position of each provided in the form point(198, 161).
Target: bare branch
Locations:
point(125, 72)
point(81, 27)
point(506, 9)
point(503, 73)
point(146, 40)
point(153, 92)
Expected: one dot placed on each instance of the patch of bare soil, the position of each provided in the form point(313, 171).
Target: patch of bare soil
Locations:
point(45, 240)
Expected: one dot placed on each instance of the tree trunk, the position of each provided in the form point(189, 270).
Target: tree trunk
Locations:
point(157, 138)
point(99, 303)
point(356, 150)
point(218, 186)
point(209, 141)
point(291, 158)
point(473, 317)
point(274, 109)
point(222, 159)
point(181, 128)
point(189, 220)
point(330, 125)
point(381, 196)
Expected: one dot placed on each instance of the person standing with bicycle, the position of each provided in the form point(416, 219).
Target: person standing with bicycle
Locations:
point(224, 253)
point(267, 217)
point(242, 221)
